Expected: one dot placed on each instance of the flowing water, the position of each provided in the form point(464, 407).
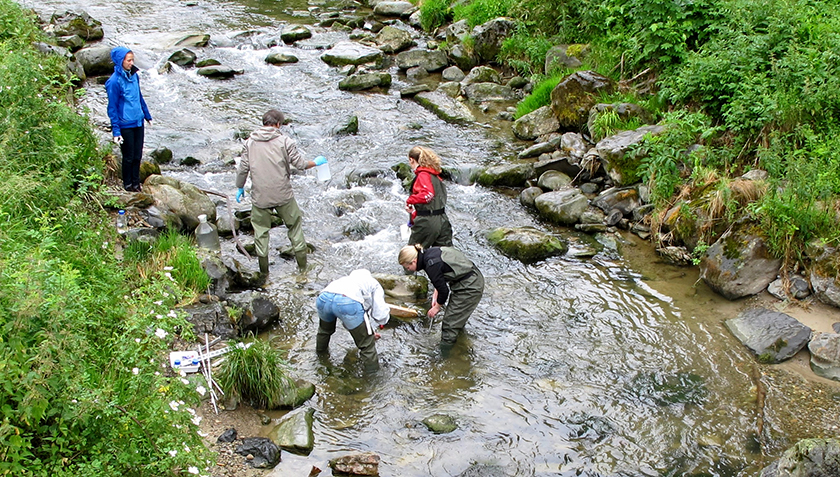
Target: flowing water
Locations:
point(604, 366)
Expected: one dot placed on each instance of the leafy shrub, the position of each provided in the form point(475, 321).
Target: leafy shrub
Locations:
point(608, 123)
point(434, 13)
point(525, 52)
point(477, 12)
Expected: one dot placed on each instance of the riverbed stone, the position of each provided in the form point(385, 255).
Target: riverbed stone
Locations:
point(440, 423)
point(96, 60)
point(265, 453)
point(351, 53)
point(536, 123)
point(489, 36)
point(280, 58)
point(807, 458)
point(217, 72)
point(75, 23)
point(558, 161)
point(393, 8)
point(825, 355)
point(453, 73)
point(526, 244)
point(575, 95)
point(625, 199)
point(198, 40)
point(183, 57)
point(825, 271)
point(451, 89)
point(507, 175)
point(563, 207)
point(366, 463)
point(293, 32)
point(365, 81)
point(539, 149)
point(393, 40)
point(618, 162)
point(554, 180)
point(294, 433)
point(404, 287)
point(258, 311)
point(738, 264)
point(489, 92)
point(182, 198)
point(211, 318)
point(445, 107)
point(529, 195)
point(773, 336)
point(431, 60)
point(482, 74)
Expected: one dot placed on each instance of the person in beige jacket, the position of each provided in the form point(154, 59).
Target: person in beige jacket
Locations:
point(268, 158)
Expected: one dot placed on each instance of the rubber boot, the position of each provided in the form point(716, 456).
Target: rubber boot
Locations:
point(446, 349)
point(367, 347)
point(325, 331)
point(263, 265)
point(300, 257)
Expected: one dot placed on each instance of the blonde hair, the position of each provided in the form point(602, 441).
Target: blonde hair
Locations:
point(425, 157)
point(409, 253)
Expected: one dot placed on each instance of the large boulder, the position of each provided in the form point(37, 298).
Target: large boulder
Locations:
point(825, 271)
point(825, 355)
point(564, 207)
point(771, 335)
point(507, 175)
point(575, 95)
point(738, 265)
point(183, 199)
point(73, 23)
point(489, 92)
point(449, 109)
point(96, 60)
point(537, 123)
point(393, 40)
point(620, 165)
point(526, 244)
point(564, 56)
point(294, 433)
point(351, 53)
point(430, 60)
point(292, 33)
point(807, 458)
point(488, 38)
point(258, 311)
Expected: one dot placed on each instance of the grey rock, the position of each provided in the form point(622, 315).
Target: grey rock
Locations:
point(772, 336)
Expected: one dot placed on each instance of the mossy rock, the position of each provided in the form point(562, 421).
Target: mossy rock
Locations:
point(440, 423)
point(526, 244)
point(295, 397)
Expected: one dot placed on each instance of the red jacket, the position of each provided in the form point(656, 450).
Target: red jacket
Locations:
point(423, 192)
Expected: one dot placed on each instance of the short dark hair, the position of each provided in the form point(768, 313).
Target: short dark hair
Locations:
point(273, 118)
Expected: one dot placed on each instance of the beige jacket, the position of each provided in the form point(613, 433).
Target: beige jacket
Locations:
point(267, 157)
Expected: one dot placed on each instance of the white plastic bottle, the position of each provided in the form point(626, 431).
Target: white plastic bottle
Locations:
point(206, 234)
point(122, 225)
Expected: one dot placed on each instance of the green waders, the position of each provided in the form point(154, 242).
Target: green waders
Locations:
point(325, 332)
point(464, 297)
point(367, 347)
point(292, 217)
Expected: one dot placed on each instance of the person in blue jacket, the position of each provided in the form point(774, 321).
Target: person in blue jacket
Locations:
point(127, 110)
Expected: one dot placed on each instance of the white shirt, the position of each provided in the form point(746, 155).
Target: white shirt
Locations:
point(360, 286)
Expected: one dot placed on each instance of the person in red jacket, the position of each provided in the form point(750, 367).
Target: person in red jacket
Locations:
point(426, 203)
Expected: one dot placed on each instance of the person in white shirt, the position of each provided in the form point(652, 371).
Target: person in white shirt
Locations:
point(358, 300)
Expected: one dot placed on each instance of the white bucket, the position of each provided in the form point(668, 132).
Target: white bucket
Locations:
point(405, 232)
point(322, 172)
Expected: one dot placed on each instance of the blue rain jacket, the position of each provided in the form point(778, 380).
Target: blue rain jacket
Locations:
point(126, 107)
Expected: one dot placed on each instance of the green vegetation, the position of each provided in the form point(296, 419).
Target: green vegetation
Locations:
point(257, 374)
point(755, 84)
point(83, 338)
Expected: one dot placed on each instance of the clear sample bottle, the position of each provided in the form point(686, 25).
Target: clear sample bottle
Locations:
point(122, 224)
point(206, 234)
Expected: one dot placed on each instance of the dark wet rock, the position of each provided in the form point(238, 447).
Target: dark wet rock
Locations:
point(539, 149)
point(526, 244)
point(294, 432)
point(797, 286)
point(440, 423)
point(161, 155)
point(563, 207)
point(529, 195)
point(667, 389)
point(807, 458)
point(207, 62)
point(217, 72)
point(575, 95)
point(211, 318)
point(292, 33)
point(825, 355)
point(507, 175)
point(356, 464)
point(445, 107)
point(485, 470)
point(190, 161)
point(536, 123)
point(364, 81)
point(625, 199)
point(351, 53)
point(772, 336)
point(278, 58)
point(370, 177)
point(416, 74)
point(258, 311)
point(558, 161)
point(71, 42)
point(738, 264)
point(228, 436)
point(182, 57)
point(489, 36)
point(345, 126)
point(825, 270)
point(265, 453)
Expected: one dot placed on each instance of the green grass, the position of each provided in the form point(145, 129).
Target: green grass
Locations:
point(257, 374)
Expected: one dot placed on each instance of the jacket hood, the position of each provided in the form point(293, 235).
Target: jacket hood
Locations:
point(118, 55)
point(265, 133)
point(426, 169)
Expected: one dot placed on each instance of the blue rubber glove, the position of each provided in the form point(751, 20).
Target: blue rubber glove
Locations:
point(320, 160)
point(239, 194)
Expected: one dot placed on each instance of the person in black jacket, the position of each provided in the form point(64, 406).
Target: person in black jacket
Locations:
point(458, 285)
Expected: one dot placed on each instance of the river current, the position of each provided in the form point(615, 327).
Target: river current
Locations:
point(612, 365)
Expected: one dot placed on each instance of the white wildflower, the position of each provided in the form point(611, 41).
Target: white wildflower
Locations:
point(158, 303)
point(172, 314)
point(174, 405)
point(160, 333)
point(193, 470)
point(201, 390)
point(185, 381)
point(168, 268)
point(173, 453)
point(136, 340)
point(196, 420)
point(136, 371)
point(159, 317)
